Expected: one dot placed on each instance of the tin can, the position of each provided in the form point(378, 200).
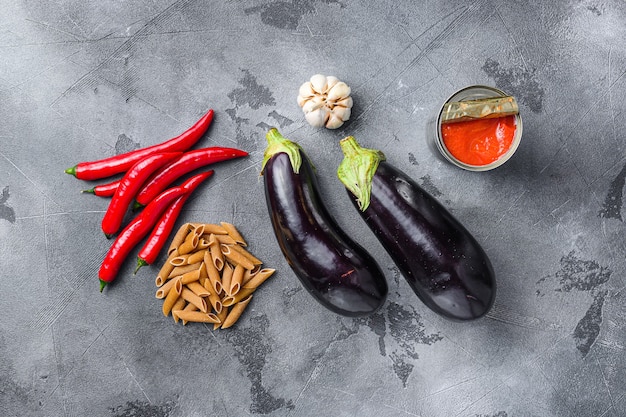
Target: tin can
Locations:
point(473, 92)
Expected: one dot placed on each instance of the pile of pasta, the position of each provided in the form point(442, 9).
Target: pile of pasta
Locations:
point(209, 275)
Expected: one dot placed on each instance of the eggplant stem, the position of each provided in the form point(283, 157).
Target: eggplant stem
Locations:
point(277, 143)
point(358, 168)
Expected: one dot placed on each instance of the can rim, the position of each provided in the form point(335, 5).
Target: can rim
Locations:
point(498, 162)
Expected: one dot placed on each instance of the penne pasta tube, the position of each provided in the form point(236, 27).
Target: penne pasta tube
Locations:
point(225, 240)
point(234, 233)
point(235, 312)
point(203, 243)
point(198, 289)
point(197, 317)
point(189, 258)
point(178, 305)
point(227, 274)
point(192, 298)
point(213, 273)
point(216, 253)
point(180, 270)
point(236, 280)
point(259, 278)
point(198, 229)
point(236, 257)
point(191, 276)
point(189, 245)
point(164, 272)
point(179, 237)
point(249, 273)
point(231, 300)
point(244, 252)
point(213, 228)
point(188, 307)
point(221, 316)
point(214, 299)
point(165, 289)
point(171, 297)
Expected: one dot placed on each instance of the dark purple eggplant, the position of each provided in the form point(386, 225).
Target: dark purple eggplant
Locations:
point(442, 262)
point(333, 268)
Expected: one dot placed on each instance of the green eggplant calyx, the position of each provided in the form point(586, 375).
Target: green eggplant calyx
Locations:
point(71, 171)
point(277, 143)
point(358, 168)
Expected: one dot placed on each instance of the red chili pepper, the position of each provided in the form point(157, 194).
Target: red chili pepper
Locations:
point(151, 249)
point(188, 162)
point(117, 164)
point(130, 184)
point(134, 233)
point(104, 190)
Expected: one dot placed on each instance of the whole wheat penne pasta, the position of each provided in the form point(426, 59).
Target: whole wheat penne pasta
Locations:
point(178, 305)
point(198, 289)
point(234, 233)
point(235, 312)
point(214, 299)
point(226, 239)
point(249, 273)
point(192, 298)
point(180, 270)
point(231, 300)
point(189, 244)
point(164, 272)
point(236, 280)
point(197, 317)
point(236, 257)
point(188, 307)
point(171, 297)
point(191, 276)
point(197, 256)
point(227, 274)
point(179, 237)
point(198, 229)
point(244, 252)
point(213, 228)
point(216, 253)
point(221, 316)
point(259, 278)
point(203, 243)
point(213, 273)
point(164, 289)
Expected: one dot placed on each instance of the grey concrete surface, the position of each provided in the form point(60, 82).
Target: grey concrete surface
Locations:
point(80, 80)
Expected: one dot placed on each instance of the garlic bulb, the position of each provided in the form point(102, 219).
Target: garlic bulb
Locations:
point(325, 101)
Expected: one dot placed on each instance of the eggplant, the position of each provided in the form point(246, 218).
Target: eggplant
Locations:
point(333, 268)
point(442, 262)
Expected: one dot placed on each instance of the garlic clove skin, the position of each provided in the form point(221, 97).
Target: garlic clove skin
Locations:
point(331, 81)
point(318, 82)
point(342, 113)
point(306, 90)
point(338, 92)
point(346, 102)
point(317, 118)
point(334, 122)
point(313, 104)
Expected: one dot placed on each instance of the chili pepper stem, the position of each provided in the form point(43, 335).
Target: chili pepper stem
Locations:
point(108, 235)
point(137, 206)
point(102, 285)
point(71, 171)
point(89, 191)
point(140, 263)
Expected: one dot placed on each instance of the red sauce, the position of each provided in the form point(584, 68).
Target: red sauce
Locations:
point(481, 141)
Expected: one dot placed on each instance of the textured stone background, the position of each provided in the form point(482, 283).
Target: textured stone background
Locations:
point(80, 80)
